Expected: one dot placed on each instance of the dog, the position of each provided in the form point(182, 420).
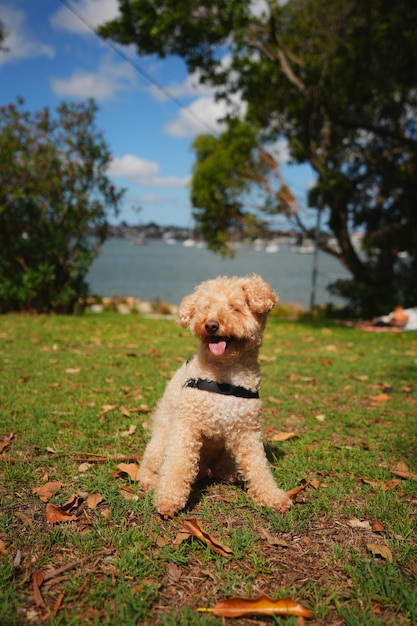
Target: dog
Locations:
point(207, 423)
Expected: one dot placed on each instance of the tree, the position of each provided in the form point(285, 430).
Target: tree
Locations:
point(339, 82)
point(54, 198)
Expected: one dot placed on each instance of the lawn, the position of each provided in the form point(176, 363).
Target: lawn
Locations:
point(340, 422)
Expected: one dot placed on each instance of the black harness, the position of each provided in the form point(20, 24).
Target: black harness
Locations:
point(223, 388)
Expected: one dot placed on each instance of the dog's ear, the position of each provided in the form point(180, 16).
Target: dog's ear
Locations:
point(186, 310)
point(260, 296)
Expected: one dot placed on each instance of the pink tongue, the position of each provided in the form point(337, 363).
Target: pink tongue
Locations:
point(217, 348)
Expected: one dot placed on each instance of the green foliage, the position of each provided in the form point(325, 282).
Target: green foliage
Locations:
point(337, 80)
point(54, 195)
point(221, 176)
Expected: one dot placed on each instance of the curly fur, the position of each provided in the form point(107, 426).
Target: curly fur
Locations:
point(198, 434)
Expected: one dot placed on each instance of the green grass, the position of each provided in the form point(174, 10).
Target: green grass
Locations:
point(350, 397)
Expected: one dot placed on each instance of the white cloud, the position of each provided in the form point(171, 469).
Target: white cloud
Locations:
point(143, 172)
point(201, 116)
point(109, 79)
point(191, 86)
point(280, 150)
point(93, 13)
point(20, 41)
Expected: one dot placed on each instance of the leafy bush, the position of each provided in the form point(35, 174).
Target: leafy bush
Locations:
point(54, 199)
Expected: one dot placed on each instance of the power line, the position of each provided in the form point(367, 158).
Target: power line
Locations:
point(135, 66)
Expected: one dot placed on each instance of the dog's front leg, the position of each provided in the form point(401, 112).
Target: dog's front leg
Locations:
point(248, 450)
point(179, 469)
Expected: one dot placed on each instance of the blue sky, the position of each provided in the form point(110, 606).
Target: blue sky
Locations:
point(52, 56)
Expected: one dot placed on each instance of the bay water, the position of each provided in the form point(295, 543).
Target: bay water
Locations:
point(157, 270)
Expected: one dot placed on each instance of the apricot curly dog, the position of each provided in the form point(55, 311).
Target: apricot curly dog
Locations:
point(207, 423)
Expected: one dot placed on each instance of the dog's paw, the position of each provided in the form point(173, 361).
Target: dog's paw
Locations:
point(168, 506)
point(279, 501)
point(283, 504)
point(147, 480)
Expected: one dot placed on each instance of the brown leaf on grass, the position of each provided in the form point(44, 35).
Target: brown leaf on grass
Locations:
point(271, 539)
point(358, 524)
point(144, 408)
point(84, 467)
point(196, 530)
point(377, 527)
point(273, 400)
point(128, 494)
point(72, 370)
point(6, 442)
point(128, 433)
point(238, 607)
point(37, 580)
point(57, 604)
point(106, 408)
point(385, 486)
point(124, 411)
point(180, 537)
point(174, 572)
point(317, 484)
point(376, 401)
point(6, 458)
point(105, 513)
point(404, 475)
point(380, 550)
point(282, 436)
point(91, 457)
point(131, 469)
point(2, 547)
point(293, 492)
point(93, 500)
point(64, 513)
point(47, 491)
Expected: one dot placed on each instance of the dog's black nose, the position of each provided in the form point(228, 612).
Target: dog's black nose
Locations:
point(212, 326)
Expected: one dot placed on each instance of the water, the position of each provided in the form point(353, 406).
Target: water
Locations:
point(169, 272)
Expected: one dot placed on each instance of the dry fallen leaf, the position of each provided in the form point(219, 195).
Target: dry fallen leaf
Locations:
point(128, 493)
point(380, 550)
point(56, 514)
point(356, 523)
point(404, 474)
point(84, 467)
point(284, 436)
point(128, 433)
point(196, 530)
point(376, 401)
point(238, 607)
point(93, 500)
point(271, 539)
point(131, 469)
point(6, 442)
point(47, 490)
point(64, 513)
point(37, 580)
point(293, 492)
point(390, 484)
point(377, 527)
point(106, 408)
point(174, 572)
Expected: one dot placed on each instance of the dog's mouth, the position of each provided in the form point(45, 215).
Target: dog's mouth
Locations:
point(219, 345)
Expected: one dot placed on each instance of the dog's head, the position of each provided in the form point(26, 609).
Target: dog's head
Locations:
point(228, 315)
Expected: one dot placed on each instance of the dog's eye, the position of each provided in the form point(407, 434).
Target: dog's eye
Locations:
point(235, 309)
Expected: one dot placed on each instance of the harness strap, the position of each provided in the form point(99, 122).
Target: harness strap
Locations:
point(223, 388)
